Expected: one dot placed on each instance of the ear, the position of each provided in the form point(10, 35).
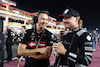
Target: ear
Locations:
point(77, 18)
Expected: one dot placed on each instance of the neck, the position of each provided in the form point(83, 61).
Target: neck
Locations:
point(22, 31)
point(39, 29)
point(73, 28)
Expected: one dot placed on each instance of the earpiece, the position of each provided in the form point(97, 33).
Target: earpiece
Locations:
point(35, 18)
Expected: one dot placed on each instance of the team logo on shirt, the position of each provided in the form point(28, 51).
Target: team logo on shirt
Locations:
point(44, 34)
point(32, 33)
point(88, 38)
point(52, 36)
point(41, 44)
point(33, 44)
point(32, 36)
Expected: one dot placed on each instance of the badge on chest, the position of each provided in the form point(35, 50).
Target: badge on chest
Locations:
point(36, 45)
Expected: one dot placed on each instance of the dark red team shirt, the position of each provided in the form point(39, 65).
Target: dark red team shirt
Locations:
point(30, 39)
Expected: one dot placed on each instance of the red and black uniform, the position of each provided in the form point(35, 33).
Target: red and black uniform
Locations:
point(33, 40)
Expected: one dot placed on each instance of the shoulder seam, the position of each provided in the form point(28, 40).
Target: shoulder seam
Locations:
point(79, 33)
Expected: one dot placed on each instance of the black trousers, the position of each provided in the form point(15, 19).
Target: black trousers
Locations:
point(1, 61)
point(31, 63)
point(1, 58)
point(9, 50)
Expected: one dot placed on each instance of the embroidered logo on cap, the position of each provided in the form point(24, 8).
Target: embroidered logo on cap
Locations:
point(66, 11)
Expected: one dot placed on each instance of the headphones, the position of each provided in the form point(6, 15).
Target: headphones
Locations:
point(35, 18)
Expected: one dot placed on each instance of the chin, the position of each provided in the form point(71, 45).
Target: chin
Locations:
point(42, 27)
point(66, 27)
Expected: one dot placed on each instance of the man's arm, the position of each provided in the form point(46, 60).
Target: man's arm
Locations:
point(40, 53)
point(22, 51)
point(43, 56)
point(87, 44)
point(6, 36)
point(84, 54)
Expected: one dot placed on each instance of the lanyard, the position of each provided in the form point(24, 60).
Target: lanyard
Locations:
point(37, 41)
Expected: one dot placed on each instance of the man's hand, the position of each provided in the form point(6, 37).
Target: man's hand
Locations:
point(59, 48)
point(19, 39)
point(6, 36)
point(44, 50)
point(42, 53)
point(41, 50)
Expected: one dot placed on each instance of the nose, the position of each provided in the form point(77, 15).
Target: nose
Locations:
point(45, 21)
point(64, 20)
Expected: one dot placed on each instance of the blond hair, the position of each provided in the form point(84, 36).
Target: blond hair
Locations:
point(80, 23)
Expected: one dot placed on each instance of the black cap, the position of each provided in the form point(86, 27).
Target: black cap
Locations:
point(68, 13)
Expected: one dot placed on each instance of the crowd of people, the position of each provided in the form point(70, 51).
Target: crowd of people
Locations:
point(36, 44)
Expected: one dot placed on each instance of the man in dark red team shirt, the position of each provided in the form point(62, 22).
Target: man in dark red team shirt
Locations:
point(37, 43)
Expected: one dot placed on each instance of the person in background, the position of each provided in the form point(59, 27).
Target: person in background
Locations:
point(95, 39)
point(75, 50)
point(15, 38)
point(21, 35)
point(8, 36)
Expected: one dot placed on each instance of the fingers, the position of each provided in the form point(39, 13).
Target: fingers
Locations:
point(59, 43)
point(56, 50)
point(48, 51)
point(45, 51)
point(55, 44)
point(42, 50)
